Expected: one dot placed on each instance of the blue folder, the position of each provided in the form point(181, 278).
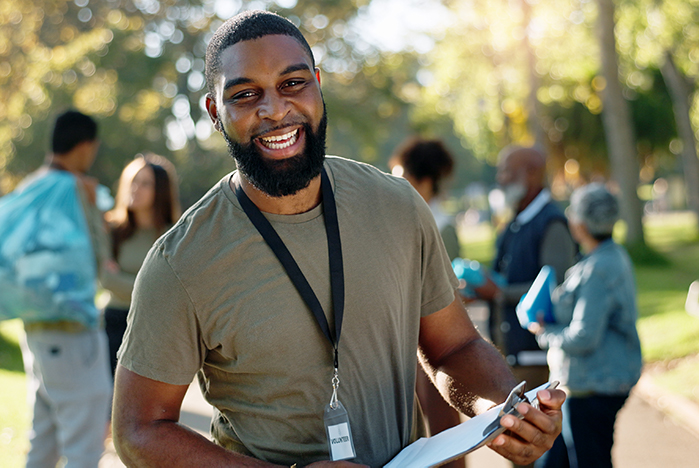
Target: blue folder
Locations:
point(536, 303)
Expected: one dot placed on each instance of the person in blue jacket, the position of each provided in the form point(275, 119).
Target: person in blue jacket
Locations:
point(593, 348)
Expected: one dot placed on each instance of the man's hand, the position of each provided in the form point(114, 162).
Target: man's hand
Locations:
point(527, 439)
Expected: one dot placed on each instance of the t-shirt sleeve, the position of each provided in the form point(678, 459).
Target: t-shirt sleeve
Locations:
point(439, 282)
point(162, 340)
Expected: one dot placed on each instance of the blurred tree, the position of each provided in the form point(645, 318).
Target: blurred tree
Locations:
point(682, 90)
point(137, 65)
point(504, 64)
point(618, 125)
point(664, 34)
point(496, 55)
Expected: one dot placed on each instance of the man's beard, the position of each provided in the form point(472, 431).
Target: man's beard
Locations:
point(514, 193)
point(287, 176)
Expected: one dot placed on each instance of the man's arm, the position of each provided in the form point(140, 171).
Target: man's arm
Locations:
point(472, 375)
point(147, 432)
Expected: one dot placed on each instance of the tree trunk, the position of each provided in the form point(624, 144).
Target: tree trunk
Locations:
point(681, 93)
point(618, 127)
point(533, 107)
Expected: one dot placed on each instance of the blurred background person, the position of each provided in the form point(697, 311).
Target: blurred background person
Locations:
point(427, 164)
point(537, 235)
point(147, 205)
point(52, 241)
point(593, 348)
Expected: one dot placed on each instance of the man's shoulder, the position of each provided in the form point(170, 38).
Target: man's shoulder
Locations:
point(346, 166)
point(549, 214)
point(553, 210)
point(365, 177)
point(198, 220)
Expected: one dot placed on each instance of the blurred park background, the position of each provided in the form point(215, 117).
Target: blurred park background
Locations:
point(607, 87)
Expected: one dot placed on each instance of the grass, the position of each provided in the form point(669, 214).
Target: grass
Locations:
point(669, 336)
point(14, 417)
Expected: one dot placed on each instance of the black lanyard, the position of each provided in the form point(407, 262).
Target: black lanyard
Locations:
point(337, 276)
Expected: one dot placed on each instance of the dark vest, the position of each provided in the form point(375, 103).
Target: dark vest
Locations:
point(517, 260)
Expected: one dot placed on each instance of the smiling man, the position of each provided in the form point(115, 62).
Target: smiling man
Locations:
point(300, 290)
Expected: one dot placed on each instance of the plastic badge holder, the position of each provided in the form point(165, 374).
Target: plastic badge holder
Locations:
point(536, 302)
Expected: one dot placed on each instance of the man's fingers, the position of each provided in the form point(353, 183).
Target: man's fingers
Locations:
point(551, 399)
point(548, 422)
point(535, 429)
point(527, 439)
point(514, 449)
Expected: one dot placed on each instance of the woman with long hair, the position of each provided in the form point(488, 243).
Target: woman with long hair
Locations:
point(147, 204)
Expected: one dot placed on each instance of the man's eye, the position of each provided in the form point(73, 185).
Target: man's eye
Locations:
point(242, 95)
point(293, 83)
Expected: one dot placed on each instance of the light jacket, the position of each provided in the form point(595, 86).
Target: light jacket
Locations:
point(594, 348)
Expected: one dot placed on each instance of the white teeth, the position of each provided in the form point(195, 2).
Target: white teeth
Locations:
point(286, 140)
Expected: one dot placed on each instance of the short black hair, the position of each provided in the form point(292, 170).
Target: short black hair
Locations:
point(71, 129)
point(247, 26)
point(425, 158)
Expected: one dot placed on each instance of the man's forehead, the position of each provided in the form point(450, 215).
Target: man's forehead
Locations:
point(516, 158)
point(270, 51)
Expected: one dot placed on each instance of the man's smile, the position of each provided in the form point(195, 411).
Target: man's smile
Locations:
point(280, 141)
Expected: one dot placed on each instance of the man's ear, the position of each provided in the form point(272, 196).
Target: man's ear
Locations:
point(317, 70)
point(212, 110)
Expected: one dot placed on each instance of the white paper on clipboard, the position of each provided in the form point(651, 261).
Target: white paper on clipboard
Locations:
point(458, 440)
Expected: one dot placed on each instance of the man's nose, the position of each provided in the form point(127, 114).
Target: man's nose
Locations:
point(273, 107)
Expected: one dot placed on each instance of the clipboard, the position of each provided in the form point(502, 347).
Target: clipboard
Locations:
point(467, 436)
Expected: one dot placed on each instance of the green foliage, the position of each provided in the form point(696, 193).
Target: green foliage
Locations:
point(10, 355)
point(14, 414)
point(137, 67)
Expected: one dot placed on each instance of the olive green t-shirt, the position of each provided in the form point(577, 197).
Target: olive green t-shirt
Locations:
point(211, 298)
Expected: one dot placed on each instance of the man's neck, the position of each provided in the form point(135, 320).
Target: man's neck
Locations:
point(64, 163)
point(302, 201)
point(528, 198)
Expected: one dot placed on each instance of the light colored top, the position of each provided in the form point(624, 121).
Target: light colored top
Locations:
point(212, 298)
point(594, 346)
point(132, 252)
point(447, 229)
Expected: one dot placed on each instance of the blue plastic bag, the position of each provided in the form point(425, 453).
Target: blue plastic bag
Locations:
point(47, 263)
point(471, 275)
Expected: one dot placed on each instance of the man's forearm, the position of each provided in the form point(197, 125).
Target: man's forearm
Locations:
point(474, 378)
point(169, 444)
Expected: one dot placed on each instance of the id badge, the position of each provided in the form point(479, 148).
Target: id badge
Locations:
point(337, 428)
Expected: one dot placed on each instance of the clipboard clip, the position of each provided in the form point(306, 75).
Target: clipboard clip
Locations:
point(515, 397)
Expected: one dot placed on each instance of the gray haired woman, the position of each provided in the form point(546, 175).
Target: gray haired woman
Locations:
point(593, 348)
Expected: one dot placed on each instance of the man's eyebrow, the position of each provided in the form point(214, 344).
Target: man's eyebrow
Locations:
point(296, 67)
point(235, 82)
